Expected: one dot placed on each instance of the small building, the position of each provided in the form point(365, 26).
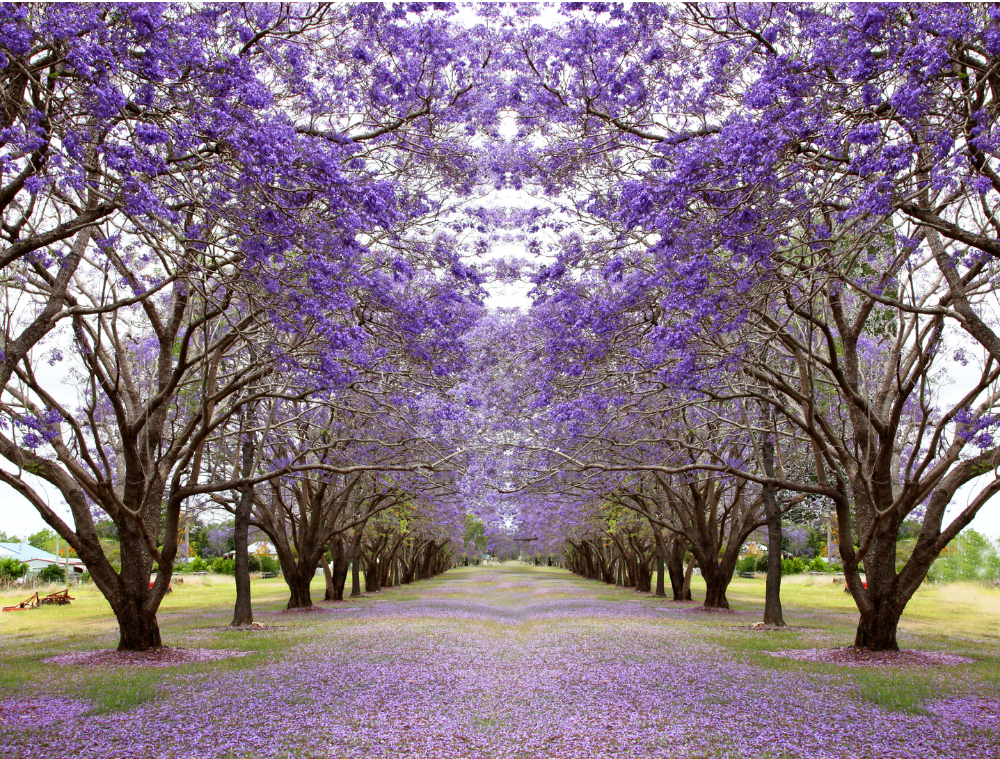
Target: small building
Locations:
point(260, 548)
point(37, 559)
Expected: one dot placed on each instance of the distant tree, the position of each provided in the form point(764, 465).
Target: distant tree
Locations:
point(218, 540)
point(796, 540)
point(12, 569)
point(42, 539)
point(475, 532)
point(52, 573)
point(973, 556)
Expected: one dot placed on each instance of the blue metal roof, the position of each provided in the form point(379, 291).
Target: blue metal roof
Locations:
point(27, 552)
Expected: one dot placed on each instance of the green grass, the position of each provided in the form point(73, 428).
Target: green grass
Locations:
point(960, 618)
point(194, 615)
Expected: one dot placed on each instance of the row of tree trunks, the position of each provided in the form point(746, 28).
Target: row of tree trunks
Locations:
point(631, 565)
point(628, 562)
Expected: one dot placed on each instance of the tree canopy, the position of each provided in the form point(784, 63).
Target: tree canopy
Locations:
point(248, 252)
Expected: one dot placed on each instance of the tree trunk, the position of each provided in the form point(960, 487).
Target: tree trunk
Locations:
point(371, 577)
point(877, 632)
point(715, 591)
point(885, 601)
point(643, 578)
point(772, 590)
point(243, 610)
point(356, 572)
point(661, 591)
point(136, 633)
point(339, 569)
point(329, 594)
point(130, 595)
point(686, 585)
point(298, 585)
point(431, 553)
point(680, 582)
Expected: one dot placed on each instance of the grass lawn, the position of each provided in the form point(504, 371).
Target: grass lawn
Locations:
point(511, 661)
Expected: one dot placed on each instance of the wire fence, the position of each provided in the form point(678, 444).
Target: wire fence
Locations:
point(31, 584)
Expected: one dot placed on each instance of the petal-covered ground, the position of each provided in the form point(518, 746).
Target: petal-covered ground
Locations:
point(505, 664)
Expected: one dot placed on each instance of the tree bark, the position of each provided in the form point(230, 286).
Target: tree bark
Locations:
point(686, 585)
point(329, 594)
point(298, 586)
point(130, 594)
point(772, 590)
point(356, 573)
point(716, 583)
point(643, 578)
point(661, 591)
point(679, 582)
point(877, 631)
point(243, 610)
point(136, 632)
point(880, 616)
point(339, 569)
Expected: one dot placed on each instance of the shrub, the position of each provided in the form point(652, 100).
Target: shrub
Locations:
point(746, 564)
point(12, 569)
point(792, 566)
point(761, 564)
point(269, 564)
point(52, 573)
point(817, 565)
point(253, 561)
point(198, 565)
point(223, 566)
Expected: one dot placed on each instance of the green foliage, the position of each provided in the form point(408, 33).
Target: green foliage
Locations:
point(42, 540)
point(817, 565)
point(475, 532)
point(223, 566)
point(909, 530)
point(973, 556)
point(197, 564)
point(52, 573)
point(816, 541)
point(12, 569)
point(8, 537)
point(792, 566)
point(746, 564)
point(760, 565)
